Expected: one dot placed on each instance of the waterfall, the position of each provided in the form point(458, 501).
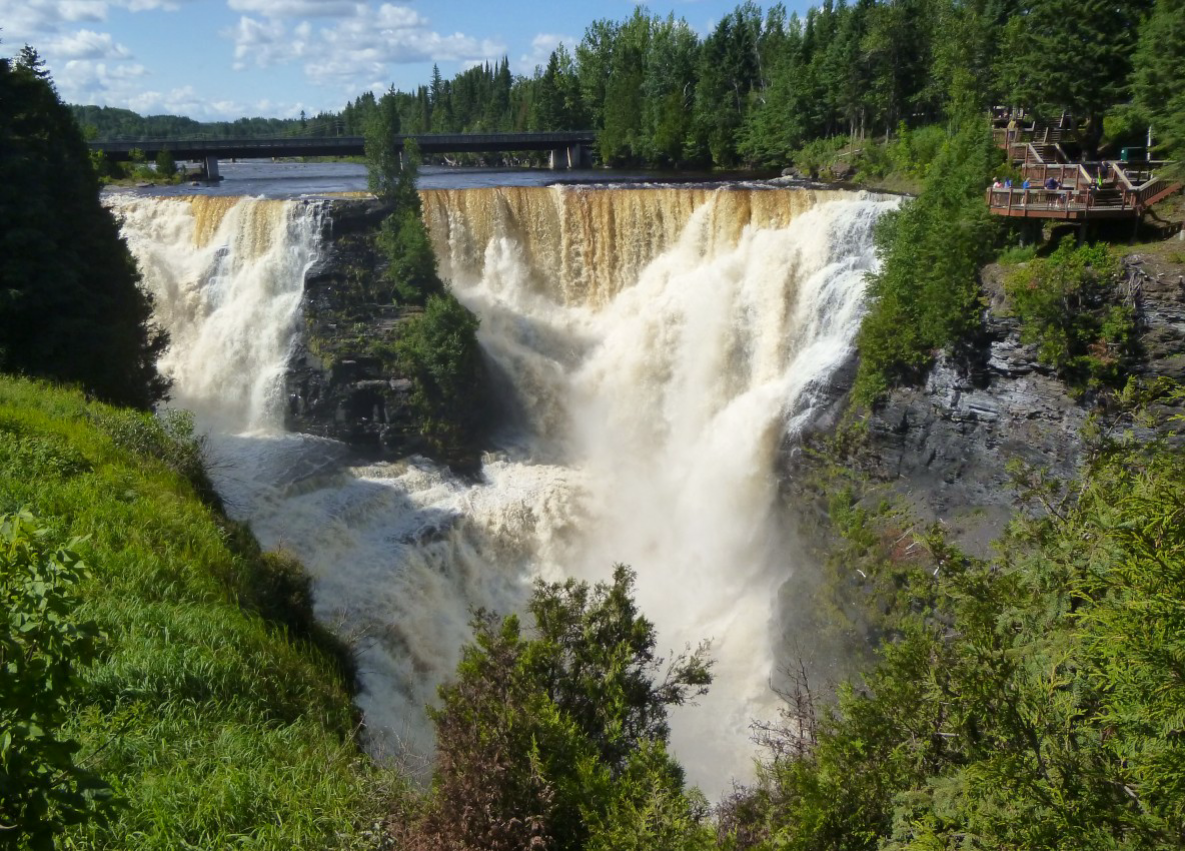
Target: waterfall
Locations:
point(228, 277)
point(661, 344)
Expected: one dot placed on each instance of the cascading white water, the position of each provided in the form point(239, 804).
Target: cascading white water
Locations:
point(670, 397)
point(228, 278)
point(662, 345)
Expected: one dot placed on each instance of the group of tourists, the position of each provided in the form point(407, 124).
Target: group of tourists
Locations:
point(1059, 193)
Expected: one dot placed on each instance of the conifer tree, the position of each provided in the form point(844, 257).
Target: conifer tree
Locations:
point(71, 305)
point(1159, 78)
point(1071, 55)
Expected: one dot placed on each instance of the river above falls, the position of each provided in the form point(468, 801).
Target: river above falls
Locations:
point(267, 179)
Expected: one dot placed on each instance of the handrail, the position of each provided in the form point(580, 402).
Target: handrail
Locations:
point(1142, 191)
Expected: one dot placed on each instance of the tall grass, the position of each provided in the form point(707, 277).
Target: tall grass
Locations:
point(219, 710)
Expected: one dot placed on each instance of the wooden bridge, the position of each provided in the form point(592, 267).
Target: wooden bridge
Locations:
point(1085, 191)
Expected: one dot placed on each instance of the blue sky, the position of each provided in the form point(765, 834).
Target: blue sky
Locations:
point(213, 59)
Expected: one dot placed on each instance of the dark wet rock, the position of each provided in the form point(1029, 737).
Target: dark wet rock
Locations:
point(944, 447)
point(339, 383)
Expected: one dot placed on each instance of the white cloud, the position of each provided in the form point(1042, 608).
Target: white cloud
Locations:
point(541, 47)
point(99, 82)
point(83, 10)
point(34, 20)
point(298, 8)
point(261, 43)
point(356, 48)
point(87, 44)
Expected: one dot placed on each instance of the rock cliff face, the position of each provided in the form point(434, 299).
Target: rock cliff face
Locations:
point(340, 384)
point(944, 446)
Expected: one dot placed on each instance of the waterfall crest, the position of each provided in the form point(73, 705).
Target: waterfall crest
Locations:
point(661, 344)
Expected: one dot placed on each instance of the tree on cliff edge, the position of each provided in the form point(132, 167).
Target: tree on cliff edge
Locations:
point(437, 349)
point(71, 305)
point(392, 172)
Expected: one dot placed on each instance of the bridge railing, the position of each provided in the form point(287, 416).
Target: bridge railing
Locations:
point(565, 137)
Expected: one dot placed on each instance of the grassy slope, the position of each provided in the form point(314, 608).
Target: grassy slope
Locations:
point(219, 726)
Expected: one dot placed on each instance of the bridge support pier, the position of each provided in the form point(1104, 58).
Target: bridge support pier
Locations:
point(573, 156)
point(212, 169)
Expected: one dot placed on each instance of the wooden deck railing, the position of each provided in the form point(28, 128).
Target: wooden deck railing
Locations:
point(1068, 201)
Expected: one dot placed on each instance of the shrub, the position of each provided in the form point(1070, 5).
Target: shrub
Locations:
point(559, 740)
point(438, 351)
point(43, 643)
point(1071, 305)
point(166, 166)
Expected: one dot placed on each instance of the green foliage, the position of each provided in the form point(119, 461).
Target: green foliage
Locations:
point(908, 156)
point(385, 168)
point(1159, 78)
point(112, 123)
point(1014, 255)
point(166, 166)
point(411, 262)
point(819, 154)
point(926, 296)
point(760, 86)
point(556, 104)
point(43, 644)
point(1126, 125)
point(71, 307)
point(217, 709)
point(1072, 306)
point(559, 740)
point(1030, 702)
point(169, 438)
point(1072, 55)
point(438, 351)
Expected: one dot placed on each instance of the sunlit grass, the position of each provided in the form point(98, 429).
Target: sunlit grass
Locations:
point(219, 710)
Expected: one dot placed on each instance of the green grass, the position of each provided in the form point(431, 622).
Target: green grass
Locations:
point(219, 710)
point(1014, 255)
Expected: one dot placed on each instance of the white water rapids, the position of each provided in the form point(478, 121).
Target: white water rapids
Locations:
point(661, 344)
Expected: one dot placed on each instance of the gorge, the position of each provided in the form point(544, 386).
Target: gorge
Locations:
point(659, 347)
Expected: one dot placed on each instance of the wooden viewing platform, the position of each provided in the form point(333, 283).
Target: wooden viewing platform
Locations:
point(1080, 195)
point(1086, 191)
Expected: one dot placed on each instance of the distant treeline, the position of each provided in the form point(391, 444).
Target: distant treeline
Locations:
point(107, 122)
point(763, 84)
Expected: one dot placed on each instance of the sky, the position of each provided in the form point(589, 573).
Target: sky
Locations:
point(224, 59)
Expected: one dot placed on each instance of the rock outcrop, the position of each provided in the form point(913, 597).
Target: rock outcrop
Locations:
point(944, 447)
point(340, 384)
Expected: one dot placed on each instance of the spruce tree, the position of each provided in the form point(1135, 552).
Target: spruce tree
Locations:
point(71, 305)
point(1071, 55)
point(1159, 78)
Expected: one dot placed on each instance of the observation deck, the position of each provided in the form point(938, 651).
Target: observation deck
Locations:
point(1086, 190)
